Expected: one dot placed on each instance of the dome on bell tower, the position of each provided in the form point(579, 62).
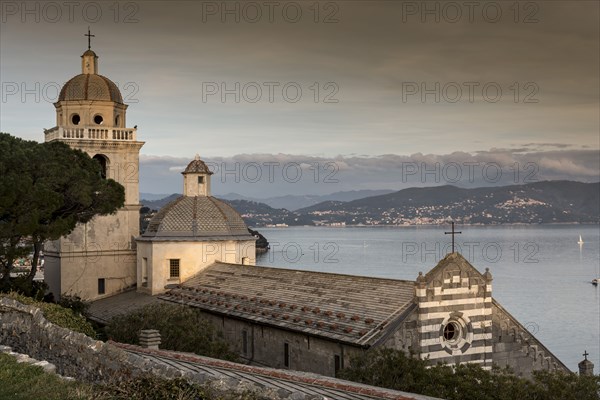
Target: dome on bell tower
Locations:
point(89, 85)
point(91, 101)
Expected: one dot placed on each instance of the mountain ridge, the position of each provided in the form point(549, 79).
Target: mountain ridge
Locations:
point(532, 203)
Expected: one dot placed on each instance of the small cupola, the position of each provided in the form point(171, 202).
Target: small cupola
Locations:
point(89, 59)
point(89, 62)
point(196, 178)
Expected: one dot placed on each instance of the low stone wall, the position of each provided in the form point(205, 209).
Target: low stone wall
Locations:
point(25, 330)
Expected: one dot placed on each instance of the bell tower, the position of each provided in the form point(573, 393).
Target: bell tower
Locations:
point(97, 259)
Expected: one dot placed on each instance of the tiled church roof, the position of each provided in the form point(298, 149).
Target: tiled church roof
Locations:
point(352, 309)
point(197, 217)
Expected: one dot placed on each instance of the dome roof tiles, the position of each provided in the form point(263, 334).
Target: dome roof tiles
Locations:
point(90, 87)
point(197, 217)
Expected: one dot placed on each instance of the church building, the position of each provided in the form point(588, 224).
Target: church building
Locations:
point(189, 234)
point(197, 252)
point(98, 258)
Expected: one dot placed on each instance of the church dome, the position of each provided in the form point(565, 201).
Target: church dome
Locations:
point(197, 217)
point(90, 87)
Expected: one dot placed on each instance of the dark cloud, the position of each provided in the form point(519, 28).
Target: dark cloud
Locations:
point(266, 175)
point(371, 51)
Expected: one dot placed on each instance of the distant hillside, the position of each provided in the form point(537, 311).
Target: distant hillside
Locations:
point(158, 204)
point(295, 202)
point(534, 203)
point(540, 202)
point(153, 196)
point(260, 214)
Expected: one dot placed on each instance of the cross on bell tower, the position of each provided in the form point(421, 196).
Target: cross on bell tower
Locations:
point(452, 232)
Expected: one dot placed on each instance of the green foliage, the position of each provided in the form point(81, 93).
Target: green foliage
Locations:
point(550, 386)
point(181, 329)
point(22, 285)
point(393, 369)
point(75, 303)
point(58, 315)
point(45, 191)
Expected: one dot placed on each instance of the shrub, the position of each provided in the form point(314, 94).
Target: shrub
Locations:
point(58, 315)
point(75, 303)
point(394, 369)
point(181, 328)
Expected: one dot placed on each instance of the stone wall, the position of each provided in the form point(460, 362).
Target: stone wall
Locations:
point(26, 331)
point(266, 346)
point(516, 347)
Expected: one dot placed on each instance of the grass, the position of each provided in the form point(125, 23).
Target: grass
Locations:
point(22, 381)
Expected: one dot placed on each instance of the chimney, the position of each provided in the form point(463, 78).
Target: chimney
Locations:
point(150, 339)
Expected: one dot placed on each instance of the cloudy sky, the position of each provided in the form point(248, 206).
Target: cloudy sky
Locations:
point(348, 94)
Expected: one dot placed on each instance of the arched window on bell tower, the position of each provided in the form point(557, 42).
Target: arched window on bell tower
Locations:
point(103, 161)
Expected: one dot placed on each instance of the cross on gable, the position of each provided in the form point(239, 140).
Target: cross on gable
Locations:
point(453, 232)
point(89, 36)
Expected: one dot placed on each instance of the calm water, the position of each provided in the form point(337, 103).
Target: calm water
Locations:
point(541, 274)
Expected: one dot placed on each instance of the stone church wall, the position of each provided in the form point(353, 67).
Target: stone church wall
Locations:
point(455, 317)
point(406, 337)
point(102, 249)
point(514, 346)
point(266, 346)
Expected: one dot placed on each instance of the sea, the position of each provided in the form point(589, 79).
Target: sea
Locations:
point(541, 273)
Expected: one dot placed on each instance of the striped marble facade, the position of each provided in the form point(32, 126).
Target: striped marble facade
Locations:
point(454, 310)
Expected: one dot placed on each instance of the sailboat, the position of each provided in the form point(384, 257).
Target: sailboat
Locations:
point(580, 240)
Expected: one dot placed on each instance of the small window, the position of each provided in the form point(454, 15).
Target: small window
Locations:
point(144, 271)
point(245, 342)
point(451, 332)
point(98, 119)
point(101, 286)
point(102, 161)
point(286, 355)
point(337, 364)
point(117, 121)
point(200, 179)
point(75, 119)
point(174, 268)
